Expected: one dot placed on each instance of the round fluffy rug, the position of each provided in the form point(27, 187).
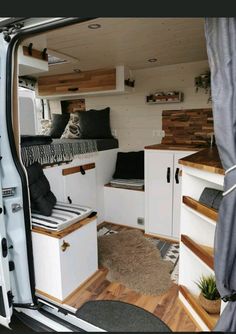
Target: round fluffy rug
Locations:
point(134, 261)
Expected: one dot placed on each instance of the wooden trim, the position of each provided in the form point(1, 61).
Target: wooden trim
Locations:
point(35, 53)
point(207, 160)
point(203, 252)
point(209, 320)
point(190, 315)
point(201, 208)
point(115, 224)
point(44, 294)
point(156, 236)
point(108, 185)
point(80, 287)
point(66, 231)
point(77, 169)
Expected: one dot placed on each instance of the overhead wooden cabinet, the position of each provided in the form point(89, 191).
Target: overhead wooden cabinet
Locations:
point(163, 192)
point(94, 82)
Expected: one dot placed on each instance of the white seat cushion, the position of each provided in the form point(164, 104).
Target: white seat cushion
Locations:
point(63, 215)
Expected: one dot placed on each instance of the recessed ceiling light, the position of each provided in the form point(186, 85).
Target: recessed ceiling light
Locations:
point(152, 60)
point(94, 26)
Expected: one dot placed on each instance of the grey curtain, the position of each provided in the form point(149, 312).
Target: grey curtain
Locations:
point(221, 47)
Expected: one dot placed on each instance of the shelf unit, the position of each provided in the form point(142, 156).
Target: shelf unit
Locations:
point(151, 99)
point(198, 223)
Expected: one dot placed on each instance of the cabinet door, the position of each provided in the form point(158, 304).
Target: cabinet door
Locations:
point(177, 192)
point(81, 189)
point(158, 190)
point(78, 257)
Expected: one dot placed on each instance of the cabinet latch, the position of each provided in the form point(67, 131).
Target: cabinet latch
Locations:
point(65, 245)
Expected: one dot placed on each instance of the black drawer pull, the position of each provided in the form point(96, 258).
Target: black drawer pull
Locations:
point(69, 199)
point(168, 175)
point(177, 175)
point(4, 247)
point(73, 89)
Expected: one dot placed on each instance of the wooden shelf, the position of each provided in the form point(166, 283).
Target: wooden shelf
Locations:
point(209, 319)
point(165, 99)
point(201, 208)
point(203, 252)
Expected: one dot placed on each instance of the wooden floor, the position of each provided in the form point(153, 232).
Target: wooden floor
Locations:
point(167, 307)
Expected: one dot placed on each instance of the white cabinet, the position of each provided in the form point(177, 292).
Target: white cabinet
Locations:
point(163, 192)
point(64, 261)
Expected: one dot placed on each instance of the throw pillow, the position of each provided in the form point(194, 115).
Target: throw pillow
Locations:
point(95, 124)
point(129, 165)
point(59, 122)
point(72, 130)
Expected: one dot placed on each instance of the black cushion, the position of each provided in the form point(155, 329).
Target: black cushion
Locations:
point(29, 140)
point(42, 198)
point(94, 124)
point(59, 122)
point(211, 197)
point(129, 165)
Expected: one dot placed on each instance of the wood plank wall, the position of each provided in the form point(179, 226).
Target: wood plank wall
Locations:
point(190, 126)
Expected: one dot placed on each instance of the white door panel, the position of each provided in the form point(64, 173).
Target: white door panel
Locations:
point(81, 189)
point(177, 193)
point(158, 186)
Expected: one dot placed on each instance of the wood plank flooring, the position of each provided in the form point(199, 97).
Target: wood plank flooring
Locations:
point(167, 307)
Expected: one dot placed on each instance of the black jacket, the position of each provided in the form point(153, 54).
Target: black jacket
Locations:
point(42, 199)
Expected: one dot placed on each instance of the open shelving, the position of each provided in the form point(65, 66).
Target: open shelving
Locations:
point(198, 223)
point(201, 208)
point(209, 319)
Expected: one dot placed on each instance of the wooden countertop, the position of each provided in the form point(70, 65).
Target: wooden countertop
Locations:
point(207, 159)
point(61, 234)
point(173, 147)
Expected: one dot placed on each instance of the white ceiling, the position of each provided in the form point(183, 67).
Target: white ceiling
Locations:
point(129, 41)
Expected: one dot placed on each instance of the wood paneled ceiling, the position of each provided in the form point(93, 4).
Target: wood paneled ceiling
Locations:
point(129, 41)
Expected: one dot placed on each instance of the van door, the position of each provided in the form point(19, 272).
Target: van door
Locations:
point(5, 289)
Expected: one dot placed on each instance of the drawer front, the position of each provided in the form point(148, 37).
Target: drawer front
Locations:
point(78, 257)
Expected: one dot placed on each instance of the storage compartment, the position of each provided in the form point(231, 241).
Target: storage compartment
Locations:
point(124, 206)
point(93, 82)
point(163, 192)
point(64, 260)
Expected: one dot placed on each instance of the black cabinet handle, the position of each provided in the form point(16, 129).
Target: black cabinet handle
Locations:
point(69, 199)
point(73, 89)
point(177, 175)
point(168, 175)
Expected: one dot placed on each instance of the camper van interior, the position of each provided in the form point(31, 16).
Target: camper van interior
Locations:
point(114, 130)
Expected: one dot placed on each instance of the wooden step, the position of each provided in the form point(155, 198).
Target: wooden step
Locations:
point(203, 252)
point(209, 319)
point(201, 208)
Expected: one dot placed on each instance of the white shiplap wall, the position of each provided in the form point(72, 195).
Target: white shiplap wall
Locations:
point(137, 124)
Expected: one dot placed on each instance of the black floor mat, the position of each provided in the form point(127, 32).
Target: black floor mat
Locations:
point(116, 316)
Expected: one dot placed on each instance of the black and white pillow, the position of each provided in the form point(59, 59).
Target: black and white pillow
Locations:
point(72, 130)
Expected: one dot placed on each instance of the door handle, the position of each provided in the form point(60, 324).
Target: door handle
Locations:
point(168, 175)
point(177, 175)
point(73, 89)
point(65, 245)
